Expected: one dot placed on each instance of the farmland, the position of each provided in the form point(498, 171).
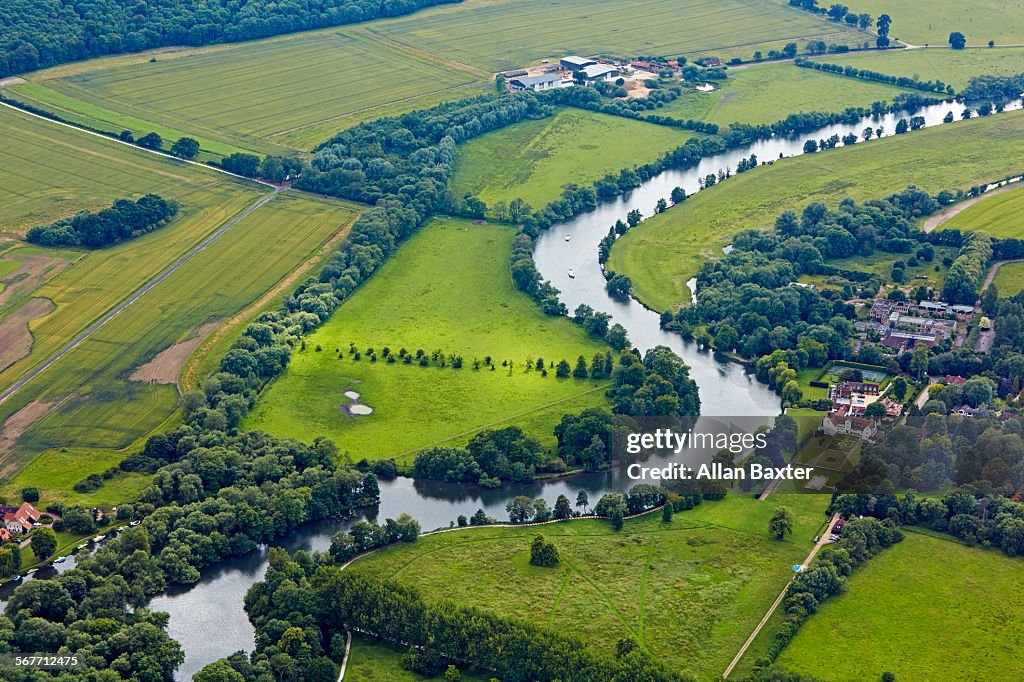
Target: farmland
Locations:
point(447, 288)
point(665, 251)
point(534, 160)
point(688, 592)
point(979, 20)
point(999, 215)
point(1009, 279)
point(309, 85)
point(950, 66)
point(768, 93)
point(928, 583)
point(505, 34)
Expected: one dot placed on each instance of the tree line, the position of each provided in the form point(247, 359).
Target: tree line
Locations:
point(124, 220)
point(867, 74)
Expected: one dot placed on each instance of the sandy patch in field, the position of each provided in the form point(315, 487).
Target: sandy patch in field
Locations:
point(17, 424)
point(165, 367)
point(35, 270)
point(13, 80)
point(15, 336)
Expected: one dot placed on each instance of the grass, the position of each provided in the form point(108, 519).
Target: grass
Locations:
point(448, 287)
point(292, 90)
point(939, 596)
point(55, 473)
point(534, 160)
point(100, 405)
point(1009, 279)
point(768, 93)
point(999, 215)
point(689, 592)
point(804, 377)
point(979, 20)
point(955, 67)
point(373, 661)
point(504, 34)
point(663, 252)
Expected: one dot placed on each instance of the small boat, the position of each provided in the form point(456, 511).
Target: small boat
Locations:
point(61, 560)
point(81, 547)
point(28, 573)
point(572, 274)
point(121, 529)
point(15, 578)
point(99, 538)
point(568, 237)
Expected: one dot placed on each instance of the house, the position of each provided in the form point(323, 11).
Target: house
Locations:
point(5, 534)
point(709, 62)
point(954, 380)
point(962, 312)
point(966, 411)
point(548, 81)
point(600, 72)
point(837, 528)
point(901, 340)
point(19, 520)
point(892, 408)
point(848, 388)
point(922, 324)
point(574, 63)
point(836, 424)
point(883, 308)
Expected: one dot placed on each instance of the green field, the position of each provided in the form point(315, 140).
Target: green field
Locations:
point(925, 609)
point(372, 661)
point(57, 471)
point(1009, 279)
point(979, 20)
point(534, 160)
point(1000, 215)
point(292, 90)
point(950, 66)
point(689, 592)
point(665, 251)
point(447, 288)
point(505, 34)
point(770, 92)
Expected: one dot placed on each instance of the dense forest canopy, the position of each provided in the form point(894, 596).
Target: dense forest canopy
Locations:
point(41, 33)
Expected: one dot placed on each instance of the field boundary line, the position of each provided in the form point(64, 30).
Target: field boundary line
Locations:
point(390, 43)
point(167, 272)
point(952, 211)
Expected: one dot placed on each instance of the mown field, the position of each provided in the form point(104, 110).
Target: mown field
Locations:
point(950, 66)
point(290, 91)
point(373, 661)
point(939, 597)
point(1000, 215)
point(663, 252)
point(447, 288)
point(1009, 279)
point(504, 34)
point(534, 160)
point(55, 473)
point(979, 20)
point(768, 93)
point(120, 383)
point(689, 592)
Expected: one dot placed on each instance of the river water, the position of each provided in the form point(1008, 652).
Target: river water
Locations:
point(208, 619)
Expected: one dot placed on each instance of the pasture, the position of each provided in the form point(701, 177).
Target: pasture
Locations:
point(770, 92)
point(979, 20)
point(55, 473)
point(1009, 279)
point(950, 66)
point(939, 597)
point(663, 252)
point(289, 91)
point(447, 288)
point(689, 592)
point(998, 214)
point(372, 661)
point(506, 34)
point(534, 160)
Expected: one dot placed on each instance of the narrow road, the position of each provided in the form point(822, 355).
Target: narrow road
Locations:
point(822, 541)
point(950, 211)
point(344, 661)
point(995, 269)
point(139, 293)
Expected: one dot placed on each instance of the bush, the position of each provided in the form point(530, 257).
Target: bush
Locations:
point(30, 494)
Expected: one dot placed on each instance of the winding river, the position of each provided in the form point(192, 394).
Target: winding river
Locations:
point(208, 618)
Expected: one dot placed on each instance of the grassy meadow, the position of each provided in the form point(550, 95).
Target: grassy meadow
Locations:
point(372, 661)
point(770, 92)
point(939, 597)
point(447, 288)
point(662, 253)
point(1000, 215)
point(950, 66)
point(689, 592)
point(979, 20)
point(505, 34)
point(534, 160)
point(55, 473)
point(289, 91)
point(1009, 279)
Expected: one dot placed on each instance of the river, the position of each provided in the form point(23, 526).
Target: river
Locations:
point(208, 619)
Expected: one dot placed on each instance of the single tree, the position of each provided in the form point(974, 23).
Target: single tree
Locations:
point(150, 141)
point(666, 512)
point(44, 543)
point(781, 522)
point(582, 499)
point(185, 148)
point(957, 40)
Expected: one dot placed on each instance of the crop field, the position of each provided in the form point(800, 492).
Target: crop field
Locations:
point(662, 253)
point(120, 383)
point(1000, 215)
point(768, 93)
point(1009, 279)
point(291, 91)
point(950, 66)
point(505, 34)
point(979, 20)
point(926, 584)
point(534, 160)
point(447, 288)
point(689, 592)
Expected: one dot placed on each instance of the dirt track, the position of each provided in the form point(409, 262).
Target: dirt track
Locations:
point(950, 211)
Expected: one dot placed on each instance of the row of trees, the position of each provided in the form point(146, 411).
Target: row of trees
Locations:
point(867, 74)
point(995, 88)
point(968, 269)
point(125, 219)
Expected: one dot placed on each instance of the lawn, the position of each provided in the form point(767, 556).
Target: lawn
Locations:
point(662, 253)
point(447, 288)
point(979, 20)
point(768, 93)
point(93, 398)
point(292, 90)
point(804, 377)
point(950, 66)
point(939, 597)
point(998, 214)
point(505, 34)
point(534, 160)
point(1009, 279)
point(690, 592)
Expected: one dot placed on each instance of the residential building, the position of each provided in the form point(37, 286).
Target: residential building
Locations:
point(900, 340)
point(848, 425)
point(848, 388)
point(19, 520)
